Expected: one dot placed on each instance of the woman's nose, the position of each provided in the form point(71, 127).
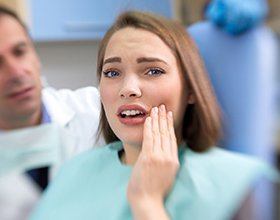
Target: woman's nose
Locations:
point(130, 88)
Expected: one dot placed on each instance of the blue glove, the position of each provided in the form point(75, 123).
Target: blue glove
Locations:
point(237, 16)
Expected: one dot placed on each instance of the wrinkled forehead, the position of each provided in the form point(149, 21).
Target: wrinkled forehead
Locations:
point(135, 42)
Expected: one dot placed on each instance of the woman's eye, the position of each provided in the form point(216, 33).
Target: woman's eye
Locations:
point(111, 73)
point(155, 72)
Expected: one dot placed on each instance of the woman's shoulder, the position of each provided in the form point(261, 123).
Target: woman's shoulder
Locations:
point(90, 159)
point(220, 174)
point(225, 169)
point(225, 159)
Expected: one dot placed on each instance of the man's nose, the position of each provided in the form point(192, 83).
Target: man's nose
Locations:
point(130, 87)
point(13, 68)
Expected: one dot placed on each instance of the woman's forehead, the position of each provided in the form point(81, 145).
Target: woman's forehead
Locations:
point(137, 42)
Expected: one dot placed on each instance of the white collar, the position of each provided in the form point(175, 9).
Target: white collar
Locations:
point(59, 111)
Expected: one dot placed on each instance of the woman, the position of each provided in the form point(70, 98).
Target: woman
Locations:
point(158, 111)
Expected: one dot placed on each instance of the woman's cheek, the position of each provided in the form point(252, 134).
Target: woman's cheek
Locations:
point(107, 95)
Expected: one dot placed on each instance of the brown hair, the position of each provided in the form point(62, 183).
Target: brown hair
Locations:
point(202, 122)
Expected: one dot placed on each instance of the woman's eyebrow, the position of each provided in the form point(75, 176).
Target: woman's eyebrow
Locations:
point(112, 60)
point(149, 59)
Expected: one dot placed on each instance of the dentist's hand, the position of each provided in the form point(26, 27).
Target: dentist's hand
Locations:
point(155, 170)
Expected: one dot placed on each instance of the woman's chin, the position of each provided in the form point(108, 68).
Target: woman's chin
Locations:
point(132, 140)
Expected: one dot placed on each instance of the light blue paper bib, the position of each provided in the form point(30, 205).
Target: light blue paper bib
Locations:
point(209, 185)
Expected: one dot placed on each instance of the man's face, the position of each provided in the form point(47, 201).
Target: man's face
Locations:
point(20, 85)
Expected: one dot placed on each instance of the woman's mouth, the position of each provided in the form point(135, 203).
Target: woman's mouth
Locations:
point(132, 114)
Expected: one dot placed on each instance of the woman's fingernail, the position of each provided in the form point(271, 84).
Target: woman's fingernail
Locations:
point(162, 108)
point(170, 115)
point(155, 110)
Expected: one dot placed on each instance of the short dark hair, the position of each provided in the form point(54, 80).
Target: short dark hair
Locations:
point(202, 120)
point(5, 11)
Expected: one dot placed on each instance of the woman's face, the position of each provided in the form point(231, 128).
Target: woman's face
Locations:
point(140, 72)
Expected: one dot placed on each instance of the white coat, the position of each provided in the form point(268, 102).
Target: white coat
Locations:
point(77, 111)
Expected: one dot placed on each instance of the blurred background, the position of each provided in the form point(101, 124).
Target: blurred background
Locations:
point(67, 33)
point(243, 67)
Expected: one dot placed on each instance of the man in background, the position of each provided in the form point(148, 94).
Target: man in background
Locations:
point(25, 104)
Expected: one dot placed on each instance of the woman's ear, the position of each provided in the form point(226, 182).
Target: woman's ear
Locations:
point(191, 99)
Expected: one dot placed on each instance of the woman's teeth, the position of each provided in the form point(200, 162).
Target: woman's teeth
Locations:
point(127, 113)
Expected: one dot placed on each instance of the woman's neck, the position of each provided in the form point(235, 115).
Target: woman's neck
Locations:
point(131, 153)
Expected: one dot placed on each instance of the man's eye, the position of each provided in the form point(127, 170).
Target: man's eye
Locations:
point(19, 52)
point(155, 72)
point(111, 73)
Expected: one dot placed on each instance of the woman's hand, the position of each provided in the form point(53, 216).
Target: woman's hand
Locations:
point(155, 170)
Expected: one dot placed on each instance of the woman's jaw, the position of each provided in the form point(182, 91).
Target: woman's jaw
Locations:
point(131, 119)
point(132, 142)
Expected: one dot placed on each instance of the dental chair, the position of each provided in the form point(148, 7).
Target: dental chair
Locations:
point(242, 69)
point(243, 72)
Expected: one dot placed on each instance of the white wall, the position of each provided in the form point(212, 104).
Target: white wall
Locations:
point(69, 64)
